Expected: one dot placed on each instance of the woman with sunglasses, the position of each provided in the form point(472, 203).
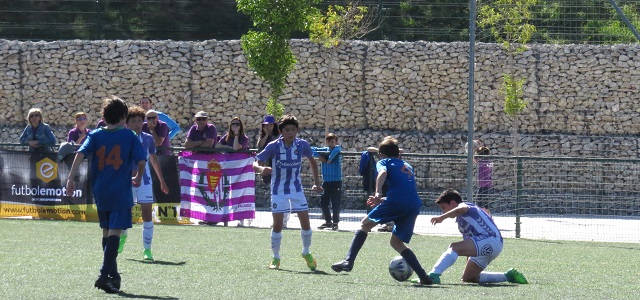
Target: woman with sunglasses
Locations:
point(79, 133)
point(37, 134)
point(234, 139)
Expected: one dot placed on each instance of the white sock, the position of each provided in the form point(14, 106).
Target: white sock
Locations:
point(446, 260)
point(123, 233)
point(276, 239)
point(147, 234)
point(489, 277)
point(306, 240)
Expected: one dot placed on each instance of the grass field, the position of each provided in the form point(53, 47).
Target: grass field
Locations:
point(60, 260)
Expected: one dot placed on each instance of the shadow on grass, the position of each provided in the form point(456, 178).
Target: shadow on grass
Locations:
point(134, 296)
point(317, 272)
point(159, 262)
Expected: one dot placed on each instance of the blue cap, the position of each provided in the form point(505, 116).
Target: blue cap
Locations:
point(269, 119)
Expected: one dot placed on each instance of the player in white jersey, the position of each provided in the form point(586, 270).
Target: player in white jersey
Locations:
point(482, 242)
point(286, 155)
point(143, 194)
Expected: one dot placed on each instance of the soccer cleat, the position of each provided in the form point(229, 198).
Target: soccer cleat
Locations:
point(106, 285)
point(116, 281)
point(146, 255)
point(515, 277)
point(325, 225)
point(123, 239)
point(311, 262)
point(334, 227)
point(275, 264)
point(435, 279)
point(342, 266)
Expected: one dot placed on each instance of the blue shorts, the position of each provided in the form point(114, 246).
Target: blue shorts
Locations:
point(403, 216)
point(115, 219)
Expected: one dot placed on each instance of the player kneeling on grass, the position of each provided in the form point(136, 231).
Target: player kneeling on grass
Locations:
point(402, 206)
point(143, 194)
point(113, 150)
point(285, 155)
point(482, 242)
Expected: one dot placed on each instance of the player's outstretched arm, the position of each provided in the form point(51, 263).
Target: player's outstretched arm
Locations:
point(314, 172)
point(156, 166)
point(71, 185)
point(138, 178)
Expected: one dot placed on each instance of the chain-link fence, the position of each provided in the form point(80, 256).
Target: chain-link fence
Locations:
point(557, 21)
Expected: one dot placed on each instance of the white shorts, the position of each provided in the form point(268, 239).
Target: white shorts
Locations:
point(143, 194)
point(295, 202)
point(488, 248)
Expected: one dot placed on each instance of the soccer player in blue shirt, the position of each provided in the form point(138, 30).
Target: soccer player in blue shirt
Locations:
point(331, 180)
point(143, 194)
point(402, 206)
point(482, 242)
point(113, 150)
point(286, 155)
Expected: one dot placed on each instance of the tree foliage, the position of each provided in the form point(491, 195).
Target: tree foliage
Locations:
point(508, 22)
point(267, 47)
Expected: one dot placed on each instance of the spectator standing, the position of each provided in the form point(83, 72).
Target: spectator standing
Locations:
point(37, 135)
point(79, 133)
point(331, 180)
point(201, 134)
point(234, 139)
point(147, 104)
point(485, 182)
point(158, 130)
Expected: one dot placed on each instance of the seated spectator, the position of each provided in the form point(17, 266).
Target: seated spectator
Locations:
point(234, 139)
point(159, 130)
point(37, 134)
point(201, 134)
point(147, 104)
point(79, 133)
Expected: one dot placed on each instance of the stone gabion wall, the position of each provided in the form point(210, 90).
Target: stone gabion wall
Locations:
point(582, 99)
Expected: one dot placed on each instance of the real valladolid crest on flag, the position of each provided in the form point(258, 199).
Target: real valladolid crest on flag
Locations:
point(217, 187)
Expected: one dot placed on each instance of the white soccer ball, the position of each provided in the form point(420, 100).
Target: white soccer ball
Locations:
point(400, 269)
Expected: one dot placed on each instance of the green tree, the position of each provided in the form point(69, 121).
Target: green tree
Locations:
point(508, 22)
point(267, 47)
point(339, 23)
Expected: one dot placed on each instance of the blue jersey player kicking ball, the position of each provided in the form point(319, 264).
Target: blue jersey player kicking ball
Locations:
point(482, 242)
point(113, 150)
point(402, 206)
point(285, 155)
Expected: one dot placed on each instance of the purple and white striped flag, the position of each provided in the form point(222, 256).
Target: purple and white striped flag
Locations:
point(217, 187)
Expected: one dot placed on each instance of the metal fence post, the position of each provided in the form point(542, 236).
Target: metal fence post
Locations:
point(518, 194)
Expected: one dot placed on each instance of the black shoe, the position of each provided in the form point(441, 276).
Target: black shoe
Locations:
point(106, 285)
point(116, 281)
point(325, 225)
point(342, 266)
point(334, 227)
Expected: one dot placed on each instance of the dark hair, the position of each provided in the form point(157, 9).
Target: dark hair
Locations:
point(331, 136)
point(448, 196)
point(287, 120)
point(389, 147)
point(114, 110)
point(135, 111)
point(148, 97)
point(230, 134)
point(483, 150)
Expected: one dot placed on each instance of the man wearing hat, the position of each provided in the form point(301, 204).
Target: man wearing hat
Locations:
point(202, 134)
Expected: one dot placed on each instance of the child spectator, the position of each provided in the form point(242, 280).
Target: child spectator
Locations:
point(79, 133)
point(331, 180)
point(485, 169)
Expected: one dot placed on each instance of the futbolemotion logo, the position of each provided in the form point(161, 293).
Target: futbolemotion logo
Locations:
point(47, 170)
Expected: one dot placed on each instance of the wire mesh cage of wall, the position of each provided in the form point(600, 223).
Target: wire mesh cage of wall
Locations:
point(557, 21)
